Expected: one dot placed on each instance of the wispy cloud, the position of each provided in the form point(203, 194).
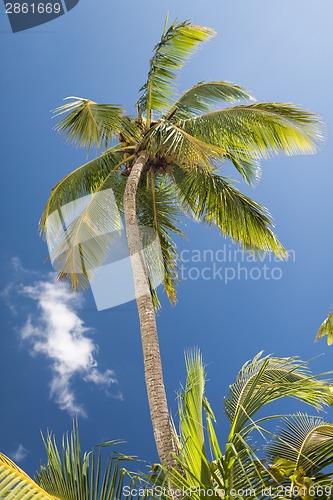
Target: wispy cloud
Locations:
point(19, 454)
point(55, 330)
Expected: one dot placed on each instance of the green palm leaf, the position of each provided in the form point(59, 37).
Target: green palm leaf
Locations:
point(87, 122)
point(168, 140)
point(301, 449)
point(176, 45)
point(305, 441)
point(15, 484)
point(71, 475)
point(203, 97)
point(80, 233)
point(83, 181)
point(326, 329)
point(213, 199)
point(191, 400)
point(239, 471)
point(159, 208)
point(266, 379)
point(258, 130)
point(248, 167)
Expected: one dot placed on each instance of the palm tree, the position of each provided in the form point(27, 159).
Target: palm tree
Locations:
point(69, 475)
point(294, 460)
point(326, 329)
point(160, 165)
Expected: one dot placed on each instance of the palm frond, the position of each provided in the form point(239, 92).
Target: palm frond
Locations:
point(248, 167)
point(131, 130)
point(15, 484)
point(192, 440)
point(258, 130)
point(83, 181)
point(203, 97)
point(158, 208)
point(166, 139)
point(305, 441)
point(79, 234)
point(326, 329)
point(220, 476)
point(266, 379)
point(195, 473)
point(87, 122)
point(71, 475)
point(243, 470)
point(214, 200)
point(177, 44)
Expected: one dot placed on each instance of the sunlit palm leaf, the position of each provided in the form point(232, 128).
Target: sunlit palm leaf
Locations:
point(266, 379)
point(247, 166)
point(326, 329)
point(203, 97)
point(83, 181)
point(258, 130)
point(306, 441)
point(176, 45)
point(71, 475)
point(80, 233)
point(15, 484)
point(243, 470)
point(158, 208)
point(218, 477)
point(191, 399)
point(215, 201)
point(168, 140)
point(131, 130)
point(195, 472)
point(87, 122)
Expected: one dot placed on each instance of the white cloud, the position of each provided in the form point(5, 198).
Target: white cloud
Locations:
point(56, 331)
point(19, 454)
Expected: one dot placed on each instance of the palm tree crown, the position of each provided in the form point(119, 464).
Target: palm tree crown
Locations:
point(186, 141)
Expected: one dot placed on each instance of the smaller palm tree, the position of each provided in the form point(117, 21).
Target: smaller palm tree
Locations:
point(69, 475)
point(291, 462)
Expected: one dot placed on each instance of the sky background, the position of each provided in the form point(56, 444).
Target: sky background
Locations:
point(59, 355)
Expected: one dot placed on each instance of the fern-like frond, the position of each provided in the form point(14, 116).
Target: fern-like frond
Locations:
point(190, 408)
point(266, 379)
point(159, 208)
point(177, 44)
point(258, 130)
point(204, 96)
point(326, 329)
point(247, 166)
point(72, 475)
point(306, 441)
point(167, 140)
point(87, 122)
point(213, 199)
point(79, 234)
point(15, 484)
point(83, 181)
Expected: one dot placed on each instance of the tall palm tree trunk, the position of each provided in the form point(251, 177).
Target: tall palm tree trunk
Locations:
point(151, 352)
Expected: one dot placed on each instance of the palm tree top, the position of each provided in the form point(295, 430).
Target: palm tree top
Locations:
point(186, 140)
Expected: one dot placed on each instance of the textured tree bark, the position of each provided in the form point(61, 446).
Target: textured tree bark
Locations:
point(151, 352)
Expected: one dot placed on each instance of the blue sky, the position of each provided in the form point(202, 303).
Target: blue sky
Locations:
point(100, 50)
